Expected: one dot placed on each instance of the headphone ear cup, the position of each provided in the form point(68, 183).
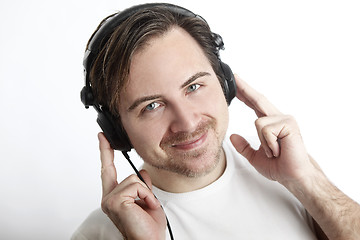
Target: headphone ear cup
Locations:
point(116, 136)
point(229, 82)
point(87, 97)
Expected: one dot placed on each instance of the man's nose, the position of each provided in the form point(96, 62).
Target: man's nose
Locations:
point(185, 117)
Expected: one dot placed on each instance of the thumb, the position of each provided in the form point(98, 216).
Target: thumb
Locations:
point(242, 146)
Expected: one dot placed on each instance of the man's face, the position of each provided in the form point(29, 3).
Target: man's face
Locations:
point(173, 108)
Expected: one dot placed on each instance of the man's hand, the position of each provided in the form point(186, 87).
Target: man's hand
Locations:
point(282, 156)
point(131, 205)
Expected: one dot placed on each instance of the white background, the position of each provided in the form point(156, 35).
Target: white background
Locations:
point(303, 55)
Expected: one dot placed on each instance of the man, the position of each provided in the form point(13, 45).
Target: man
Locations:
point(158, 80)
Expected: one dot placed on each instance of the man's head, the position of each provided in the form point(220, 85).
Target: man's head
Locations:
point(152, 55)
point(173, 107)
point(109, 66)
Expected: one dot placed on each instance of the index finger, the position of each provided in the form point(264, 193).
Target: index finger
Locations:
point(108, 170)
point(254, 99)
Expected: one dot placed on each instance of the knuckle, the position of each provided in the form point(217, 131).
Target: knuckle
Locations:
point(111, 204)
point(290, 119)
point(105, 206)
point(266, 130)
point(136, 185)
point(133, 178)
point(259, 122)
point(129, 180)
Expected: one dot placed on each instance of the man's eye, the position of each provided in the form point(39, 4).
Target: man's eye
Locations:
point(152, 106)
point(193, 87)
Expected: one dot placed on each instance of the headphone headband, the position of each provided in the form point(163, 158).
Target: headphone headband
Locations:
point(113, 21)
point(108, 26)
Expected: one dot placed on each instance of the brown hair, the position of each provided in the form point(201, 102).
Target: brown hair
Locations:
point(110, 70)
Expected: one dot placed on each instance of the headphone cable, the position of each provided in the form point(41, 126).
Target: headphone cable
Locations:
point(142, 179)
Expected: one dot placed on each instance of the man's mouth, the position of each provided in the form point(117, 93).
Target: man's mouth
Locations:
point(192, 143)
point(184, 141)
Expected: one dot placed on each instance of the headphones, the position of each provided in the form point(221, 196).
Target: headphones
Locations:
point(114, 132)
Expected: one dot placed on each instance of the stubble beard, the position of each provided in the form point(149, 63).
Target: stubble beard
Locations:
point(205, 158)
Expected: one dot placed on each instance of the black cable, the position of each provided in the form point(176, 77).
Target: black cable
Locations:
point(142, 179)
point(133, 166)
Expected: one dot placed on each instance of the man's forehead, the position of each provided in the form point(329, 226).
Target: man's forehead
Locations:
point(165, 62)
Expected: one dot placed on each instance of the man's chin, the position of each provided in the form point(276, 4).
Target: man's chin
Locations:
point(194, 163)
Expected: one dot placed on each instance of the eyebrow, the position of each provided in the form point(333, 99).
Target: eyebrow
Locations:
point(138, 101)
point(194, 77)
point(141, 100)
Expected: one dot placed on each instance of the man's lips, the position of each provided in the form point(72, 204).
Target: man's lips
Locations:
point(187, 145)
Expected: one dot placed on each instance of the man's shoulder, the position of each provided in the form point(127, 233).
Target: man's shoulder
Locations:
point(97, 226)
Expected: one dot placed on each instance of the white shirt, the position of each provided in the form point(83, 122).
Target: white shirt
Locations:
point(241, 204)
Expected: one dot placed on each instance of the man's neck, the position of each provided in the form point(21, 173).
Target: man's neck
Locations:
point(178, 183)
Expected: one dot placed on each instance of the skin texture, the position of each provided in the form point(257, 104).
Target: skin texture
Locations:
point(180, 138)
point(178, 132)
